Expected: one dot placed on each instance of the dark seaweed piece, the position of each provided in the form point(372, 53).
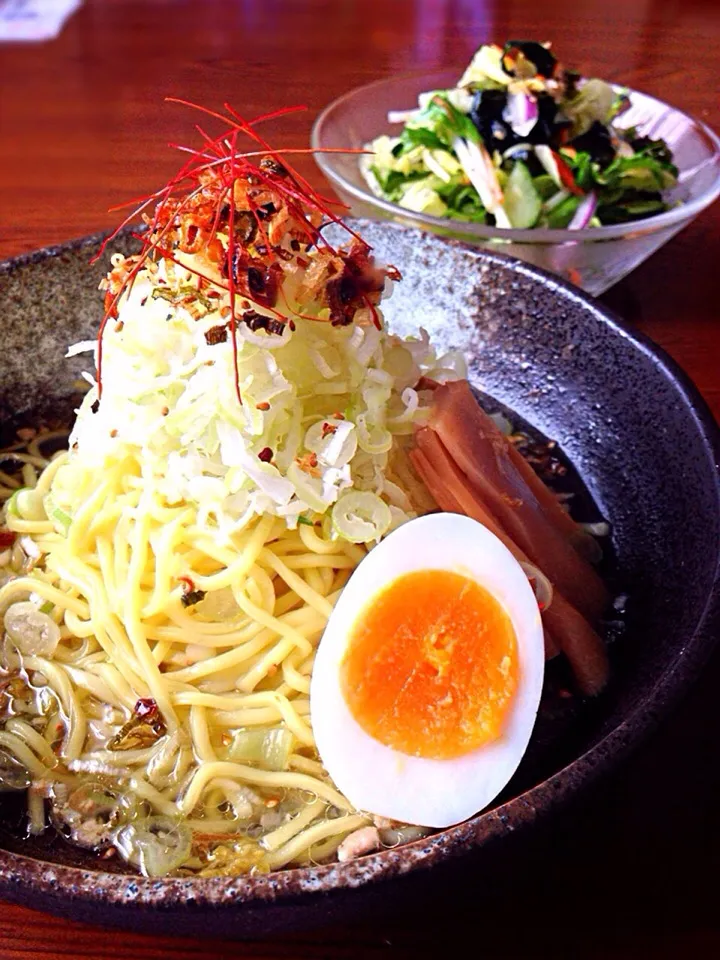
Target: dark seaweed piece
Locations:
point(597, 141)
point(548, 124)
point(487, 117)
point(657, 149)
point(544, 61)
point(572, 78)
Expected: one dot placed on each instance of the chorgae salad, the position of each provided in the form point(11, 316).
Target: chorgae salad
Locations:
point(522, 142)
point(286, 592)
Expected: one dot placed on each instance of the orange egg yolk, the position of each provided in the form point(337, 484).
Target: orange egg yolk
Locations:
point(431, 665)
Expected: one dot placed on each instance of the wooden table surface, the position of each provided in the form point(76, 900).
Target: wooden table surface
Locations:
point(631, 870)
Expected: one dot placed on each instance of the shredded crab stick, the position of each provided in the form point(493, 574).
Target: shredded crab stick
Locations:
point(567, 630)
point(483, 454)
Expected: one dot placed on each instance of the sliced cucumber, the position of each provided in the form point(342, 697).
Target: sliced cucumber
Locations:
point(522, 201)
point(422, 198)
point(545, 186)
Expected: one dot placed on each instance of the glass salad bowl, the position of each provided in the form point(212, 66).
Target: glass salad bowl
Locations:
point(593, 258)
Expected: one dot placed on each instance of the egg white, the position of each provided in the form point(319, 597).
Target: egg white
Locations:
point(384, 781)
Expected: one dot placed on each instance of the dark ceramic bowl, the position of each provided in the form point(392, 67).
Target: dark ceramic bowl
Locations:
point(640, 438)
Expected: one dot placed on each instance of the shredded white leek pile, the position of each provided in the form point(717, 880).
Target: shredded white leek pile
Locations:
point(341, 394)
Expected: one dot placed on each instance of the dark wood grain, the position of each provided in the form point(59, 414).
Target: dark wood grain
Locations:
point(628, 871)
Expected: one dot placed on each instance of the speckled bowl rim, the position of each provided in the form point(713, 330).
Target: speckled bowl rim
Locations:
point(20, 875)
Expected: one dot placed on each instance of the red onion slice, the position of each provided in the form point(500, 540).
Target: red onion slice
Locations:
point(584, 213)
point(521, 113)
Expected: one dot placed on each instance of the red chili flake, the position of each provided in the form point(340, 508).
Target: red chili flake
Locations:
point(7, 538)
point(188, 583)
point(308, 463)
point(264, 405)
point(265, 455)
point(291, 324)
point(328, 428)
point(338, 416)
point(118, 326)
point(146, 707)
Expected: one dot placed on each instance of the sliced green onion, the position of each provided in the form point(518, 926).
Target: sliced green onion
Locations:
point(56, 513)
point(309, 489)
point(276, 749)
point(89, 814)
point(156, 845)
point(372, 438)
point(13, 775)
point(64, 519)
point(270, 749)
point(27, 504)
point(246, 746)
point(361, 517)
point(32, 632)
point(12, 504)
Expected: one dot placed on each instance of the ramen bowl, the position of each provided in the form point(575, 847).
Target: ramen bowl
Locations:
point(594, 258)
point(645, 449)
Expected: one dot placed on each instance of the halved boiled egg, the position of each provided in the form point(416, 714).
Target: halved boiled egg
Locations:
point(428, 677)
